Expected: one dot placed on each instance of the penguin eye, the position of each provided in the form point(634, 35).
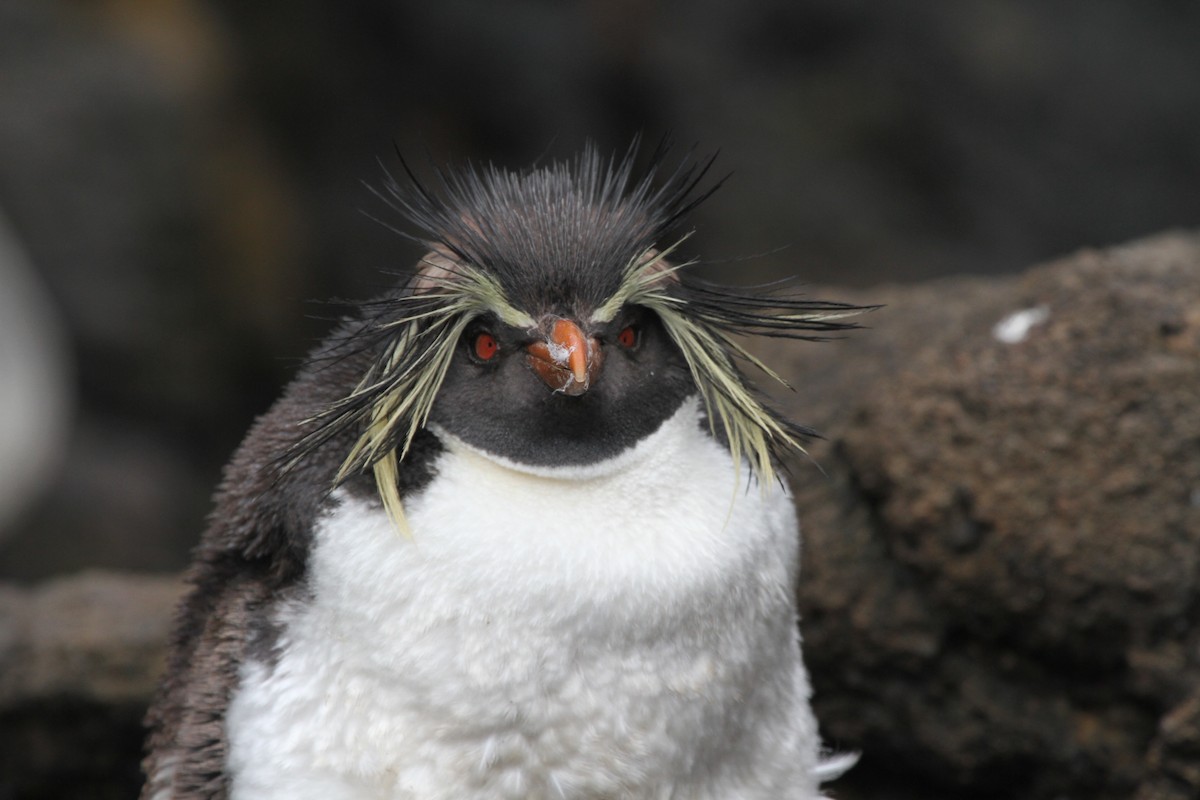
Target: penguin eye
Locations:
point(628, 337)
point(485, 346)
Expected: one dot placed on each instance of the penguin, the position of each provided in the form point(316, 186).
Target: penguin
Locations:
point(518, 529)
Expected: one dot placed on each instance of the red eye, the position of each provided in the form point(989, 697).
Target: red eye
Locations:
point(627, 338)
point(486, 347)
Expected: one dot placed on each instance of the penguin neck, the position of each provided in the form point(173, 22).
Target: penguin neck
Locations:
point(687, 416)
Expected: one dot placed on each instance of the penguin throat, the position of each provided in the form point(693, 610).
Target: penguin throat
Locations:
point(686, 416)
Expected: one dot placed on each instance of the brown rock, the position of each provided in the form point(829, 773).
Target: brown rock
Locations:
point(79, 658)
point(1001, 566)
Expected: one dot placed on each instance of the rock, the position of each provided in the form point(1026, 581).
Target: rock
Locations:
point(79, 659)
point(1001, 566)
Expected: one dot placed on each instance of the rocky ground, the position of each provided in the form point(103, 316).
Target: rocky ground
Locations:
point(79, 658)
point(1001, 561)
point(1002, 541)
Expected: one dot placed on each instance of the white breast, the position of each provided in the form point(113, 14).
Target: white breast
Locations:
point(621, 631)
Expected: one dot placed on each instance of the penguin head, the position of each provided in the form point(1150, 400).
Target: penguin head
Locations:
point(557, 368)
point(550, 323)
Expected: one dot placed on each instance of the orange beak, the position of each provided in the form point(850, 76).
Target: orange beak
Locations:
point(567, 361)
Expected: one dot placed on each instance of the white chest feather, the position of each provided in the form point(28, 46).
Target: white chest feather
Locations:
point(621, 631)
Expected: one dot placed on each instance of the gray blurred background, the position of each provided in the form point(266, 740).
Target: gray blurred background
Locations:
point(179, 179)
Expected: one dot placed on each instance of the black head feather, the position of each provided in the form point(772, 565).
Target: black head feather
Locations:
point(553, 236)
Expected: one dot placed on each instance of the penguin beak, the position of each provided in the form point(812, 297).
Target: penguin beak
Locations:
point(567, 361)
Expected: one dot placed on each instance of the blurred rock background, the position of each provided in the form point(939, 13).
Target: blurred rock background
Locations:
point(180, 179)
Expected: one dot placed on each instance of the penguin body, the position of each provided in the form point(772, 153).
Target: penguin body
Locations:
point(570, 576)
point(622, 631)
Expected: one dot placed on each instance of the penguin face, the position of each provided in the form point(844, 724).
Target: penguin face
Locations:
point(567, 392)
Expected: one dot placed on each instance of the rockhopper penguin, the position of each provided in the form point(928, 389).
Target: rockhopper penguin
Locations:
point(516, 531)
